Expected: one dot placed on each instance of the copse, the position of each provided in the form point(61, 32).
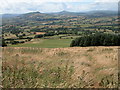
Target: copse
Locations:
point(97, 40)
point(3, 43)
point(43, 35)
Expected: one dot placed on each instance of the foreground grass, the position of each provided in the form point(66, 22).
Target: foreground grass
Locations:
point(59, 68)
point(46, 43)
point(35, 75)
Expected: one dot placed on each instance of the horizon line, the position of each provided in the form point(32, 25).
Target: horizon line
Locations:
point(62, 11)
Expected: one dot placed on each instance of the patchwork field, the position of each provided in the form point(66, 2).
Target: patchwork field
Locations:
point(77, 67)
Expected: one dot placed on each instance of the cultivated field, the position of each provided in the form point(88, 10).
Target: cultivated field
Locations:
point(84, 67)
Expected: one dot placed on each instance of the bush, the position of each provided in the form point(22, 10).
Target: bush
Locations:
point(38, 36)
point(21, 41)
point(14, 42)
point(49, 34)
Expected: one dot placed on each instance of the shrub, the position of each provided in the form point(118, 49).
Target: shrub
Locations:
point(38, 36)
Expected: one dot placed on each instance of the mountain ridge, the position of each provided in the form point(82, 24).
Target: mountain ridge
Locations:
point(62, 12)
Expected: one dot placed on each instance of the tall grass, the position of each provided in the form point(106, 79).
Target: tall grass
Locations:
point(21, 72)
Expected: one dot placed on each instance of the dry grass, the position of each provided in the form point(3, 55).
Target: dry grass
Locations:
point(81, 67)
point(40, 33)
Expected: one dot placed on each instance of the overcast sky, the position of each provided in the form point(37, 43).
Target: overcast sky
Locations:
point(46, 6)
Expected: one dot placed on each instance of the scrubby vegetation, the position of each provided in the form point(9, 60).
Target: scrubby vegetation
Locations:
point(59, 68)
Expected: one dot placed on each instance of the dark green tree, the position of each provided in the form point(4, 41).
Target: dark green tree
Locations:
point(3, 43)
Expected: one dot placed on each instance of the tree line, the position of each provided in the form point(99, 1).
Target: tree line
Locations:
point(97, 40)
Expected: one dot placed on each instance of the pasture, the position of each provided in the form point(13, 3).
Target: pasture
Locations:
point(45, 43)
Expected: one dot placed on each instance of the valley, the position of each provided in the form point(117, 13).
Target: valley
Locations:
point(60, 50)
point(21, 29)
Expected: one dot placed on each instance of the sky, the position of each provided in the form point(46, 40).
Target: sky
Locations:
point(48, 6)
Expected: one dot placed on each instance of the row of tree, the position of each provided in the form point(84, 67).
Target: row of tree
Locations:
point(43, 35)
point(97, 40)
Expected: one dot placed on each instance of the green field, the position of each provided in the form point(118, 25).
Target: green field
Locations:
point(46, 43)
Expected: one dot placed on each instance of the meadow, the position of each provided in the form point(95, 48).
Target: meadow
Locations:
point(73, 67)
point(45, 43)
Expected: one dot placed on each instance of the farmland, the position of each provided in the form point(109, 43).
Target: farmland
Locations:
point(60, 50)
point(22, 29)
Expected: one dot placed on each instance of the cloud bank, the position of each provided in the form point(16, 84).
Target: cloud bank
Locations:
point(46, 6)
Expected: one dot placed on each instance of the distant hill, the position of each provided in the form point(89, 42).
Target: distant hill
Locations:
point(102, 13)
point(34, 17)
point(68, 13)
point(9, 15)
point(37, 14)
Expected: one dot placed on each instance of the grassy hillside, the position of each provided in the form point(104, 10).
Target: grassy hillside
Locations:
point(46, 43)
point(84, 67)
